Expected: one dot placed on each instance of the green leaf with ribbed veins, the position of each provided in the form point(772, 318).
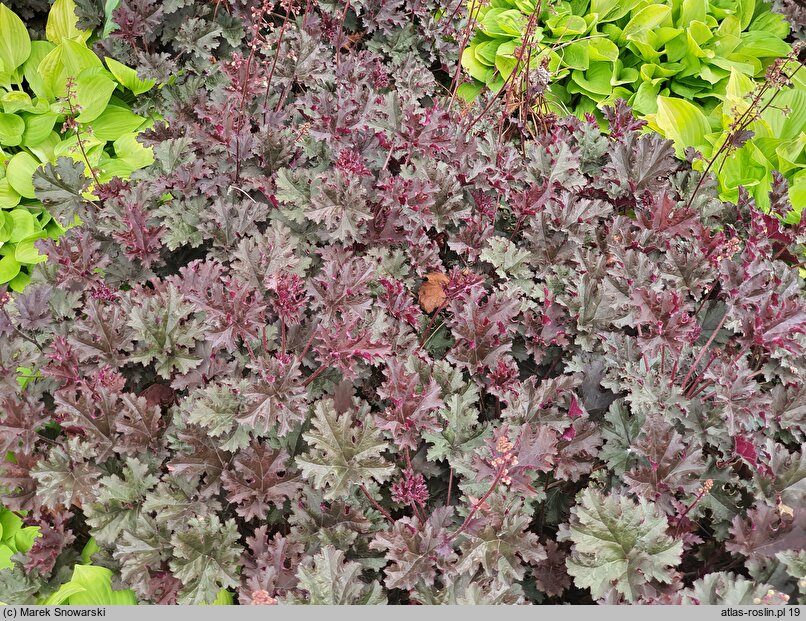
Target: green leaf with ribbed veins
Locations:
point(11, 129)
point(725, 589)
point(332, 580)
point(9, 268)
point(343, 454)
point(19, 172)
point(477, 70)
point(93, 90)
point(25, 225)
point(114, 122)
point(618, 543)
point(206, 558)
point(128, 77)
point(15, 44)
point(620, 429)
point(461, 434)
point(26, 251)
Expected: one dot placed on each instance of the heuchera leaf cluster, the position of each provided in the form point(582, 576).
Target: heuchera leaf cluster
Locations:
point(228, 378)
point(691, 68)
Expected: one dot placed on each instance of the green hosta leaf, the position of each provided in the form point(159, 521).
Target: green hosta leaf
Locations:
point(746, 9)
point(39, 50)
point(618, 543)
point(19, 282)
point(224, 598)
point(132, 152)
point(91, 586)
point(206, 558)
point(52, 74)
point(647, 18)
point(24, 224)
point(602, 48)
point(485, 52)
point(62, 21)
point(612, 10)
point(682, 122)
point(577, 55)
point(25, 537)
point(77, 57)
point(10, 523)
point(5, 557)
point(332, 580)
point(342, 455)
point(38, 128)
point(128, 77)
point(93, 90)
point(511, 22)
point(8, 197)
point(14, 101)
point(11, 129)
point(6, 226)
point(763, 45)
point(15, 44)
point(114, 122)
point(26, 251)
point(109, 26)
point(506, 23)
point(770, 22)
point(566, 24)
point(90, 548)
point(645, 100)
point(477, 70)
point(596, 80)
point(692, 10)
point(19, 174)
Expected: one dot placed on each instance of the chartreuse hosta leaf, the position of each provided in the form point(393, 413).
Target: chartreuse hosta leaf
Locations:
point(90, 586)
point(62, 22)
point(683, 122)
point(128, 77)
point(15, 44)
point(678, 63)
point(34, 79)
point(14, 537)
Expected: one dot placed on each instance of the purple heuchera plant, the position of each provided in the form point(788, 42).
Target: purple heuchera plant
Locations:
point(232, 358)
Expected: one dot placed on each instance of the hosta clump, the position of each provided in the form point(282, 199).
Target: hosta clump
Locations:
point(347, 346)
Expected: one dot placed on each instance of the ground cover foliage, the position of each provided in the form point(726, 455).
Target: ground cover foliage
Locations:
point(718, 77)
point(58, 99)
point(348, 341)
